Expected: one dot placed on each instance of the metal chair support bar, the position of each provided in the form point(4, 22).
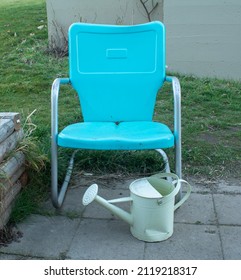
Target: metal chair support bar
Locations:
point(177, 128)
point(57, 196)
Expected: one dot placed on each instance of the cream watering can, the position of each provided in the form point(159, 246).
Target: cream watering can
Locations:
point(152, 199)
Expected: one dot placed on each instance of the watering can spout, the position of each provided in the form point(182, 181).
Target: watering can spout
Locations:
point(91, 195)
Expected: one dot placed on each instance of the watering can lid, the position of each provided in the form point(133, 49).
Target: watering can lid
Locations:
point(143, 188)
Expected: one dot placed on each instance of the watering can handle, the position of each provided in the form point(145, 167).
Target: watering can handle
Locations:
point(178, 182)
point(185, 197)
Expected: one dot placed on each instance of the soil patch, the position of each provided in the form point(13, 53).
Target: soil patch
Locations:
point(9, 234)
point(227, 137)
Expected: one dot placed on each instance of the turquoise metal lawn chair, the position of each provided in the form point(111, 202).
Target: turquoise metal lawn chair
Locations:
point(117, 72)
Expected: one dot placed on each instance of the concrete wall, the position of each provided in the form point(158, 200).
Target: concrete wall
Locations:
point(61, 13)
point(204, 37)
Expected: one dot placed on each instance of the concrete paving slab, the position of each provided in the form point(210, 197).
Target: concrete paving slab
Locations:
point(124, 183)
point(228, 209)
point(231, 241)
point(72, 204)
point(199, 186)
point(44, 237)
point(188, 242)
point(105, 240)
point(73, 201)
point(17, 257)
point(224, 187)
point(198, 209)
point(110, 181)
point(10, 257)
point(207, 226)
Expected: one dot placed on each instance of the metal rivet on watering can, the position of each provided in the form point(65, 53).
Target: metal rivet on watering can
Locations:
point(159, 202)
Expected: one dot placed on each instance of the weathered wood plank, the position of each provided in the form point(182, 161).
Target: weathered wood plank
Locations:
point(6, 129)
point(10, 143)
point(6, 205)
point(8, 168)
point(4, 217)
point(13, 168)
point(7, 184)
point(9, 197)
point(15, 117)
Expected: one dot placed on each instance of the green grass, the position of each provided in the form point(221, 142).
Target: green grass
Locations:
point(210, 109)
point(211, 126)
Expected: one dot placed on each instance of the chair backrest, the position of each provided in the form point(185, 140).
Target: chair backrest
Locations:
point(117, 70)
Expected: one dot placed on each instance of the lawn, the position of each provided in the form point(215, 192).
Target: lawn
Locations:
point(210, 107)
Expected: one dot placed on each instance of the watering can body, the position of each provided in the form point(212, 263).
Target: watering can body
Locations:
point(152, 219)
point(151, 216)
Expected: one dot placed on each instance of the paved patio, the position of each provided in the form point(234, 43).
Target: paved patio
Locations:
point(206, 227)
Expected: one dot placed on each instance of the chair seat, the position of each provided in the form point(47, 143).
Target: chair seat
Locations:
point(113, 136)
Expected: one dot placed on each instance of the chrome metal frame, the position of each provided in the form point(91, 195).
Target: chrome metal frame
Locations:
point(165, 159)
point(58, 195)
point(177, 128)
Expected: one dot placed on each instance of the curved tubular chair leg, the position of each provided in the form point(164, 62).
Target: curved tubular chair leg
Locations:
point(177, 128)
point(59, 195)
point(166, 161)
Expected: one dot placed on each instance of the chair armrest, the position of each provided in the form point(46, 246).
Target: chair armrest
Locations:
point(57, 195)
point(54, 105)
point(177, 103)
point(177, 117)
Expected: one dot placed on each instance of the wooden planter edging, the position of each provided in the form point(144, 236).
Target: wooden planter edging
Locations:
point(12, 164)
